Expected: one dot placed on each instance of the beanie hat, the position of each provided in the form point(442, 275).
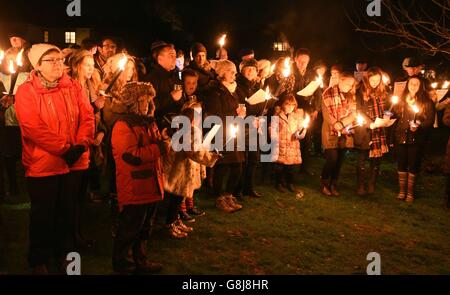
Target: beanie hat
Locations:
point(37, 51)
point(248, 63)
point(224, 65)
point(196, 48)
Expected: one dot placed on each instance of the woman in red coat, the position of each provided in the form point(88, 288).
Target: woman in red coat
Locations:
point(139, 178)
point(57, 125)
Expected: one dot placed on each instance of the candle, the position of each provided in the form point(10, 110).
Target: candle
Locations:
point(385, 79)
point(268, 96)
point(233, 132)
point(2, 56)
point(359, 122)
point(14, 75)
point(415, 109)
point(394, 101)
point(305, 123)
point(122, 63)
point(445, 85)
point(222, 40)
point(319, 79)
point(434, 85)
point(287, 67)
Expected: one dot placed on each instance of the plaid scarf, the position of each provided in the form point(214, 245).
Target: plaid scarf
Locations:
point(375, 109)
point(45, 82)
point(338, 105)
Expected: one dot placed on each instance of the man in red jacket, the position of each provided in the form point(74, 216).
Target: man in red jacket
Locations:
point(139, 178)
point(57, 124)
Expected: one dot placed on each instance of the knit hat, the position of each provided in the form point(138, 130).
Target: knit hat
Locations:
point(37, 51)
point(246, 51)
point(248, 63)
point(224, 65)
point(158, 45)
point(196, 48)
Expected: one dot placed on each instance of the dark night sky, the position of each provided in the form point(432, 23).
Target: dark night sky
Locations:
point(320, 25)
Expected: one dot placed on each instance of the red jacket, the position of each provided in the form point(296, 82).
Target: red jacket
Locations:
point(139, 174)
point(51, 120)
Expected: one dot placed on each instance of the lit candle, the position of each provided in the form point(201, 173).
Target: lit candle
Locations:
point(14, 72)
point(394, 101)
point(233, 132)
point(2, 56)
point(445, 85)
point(287, 67)
point(319, 79)
point(359, 122)
point(222, 40)
point(305, 123)
point(415, 109)
point(122, 63)
point(385, 79)
point(434, 85)
point(268, 96)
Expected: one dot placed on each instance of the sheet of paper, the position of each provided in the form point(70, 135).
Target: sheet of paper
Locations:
point(209, 137)
point(258, 97)
point(6, 80)
point(441, 94)
point(384, 122)
point(398, 88)
point(310, 89)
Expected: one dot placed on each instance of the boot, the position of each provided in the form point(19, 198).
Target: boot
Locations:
point(326, 187)
point(143, 266)
point(374, 172)
point(411, 187)
point(121, 261)
point(402, 182)
point(223, 204)
point(233, 202)
point(360, 177)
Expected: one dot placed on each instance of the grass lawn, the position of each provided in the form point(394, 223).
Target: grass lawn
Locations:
point(280, 234)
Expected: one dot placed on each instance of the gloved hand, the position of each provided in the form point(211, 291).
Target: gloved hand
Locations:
point(73, 154)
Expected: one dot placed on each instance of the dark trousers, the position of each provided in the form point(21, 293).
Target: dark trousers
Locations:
point(408, 157)
point(228, 175)
point(333, 163)
point(247, 180)
point(284, 174)
point(2, 178)
point(8, 164)
point(51, 217)
point(316, 129)
point(305, 149)
point(363, 155)
point(135, 223)
point(80, 177)
point(173, 208)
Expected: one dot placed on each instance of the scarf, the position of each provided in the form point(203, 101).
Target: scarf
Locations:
point(230, 86)
point(375, 109)
point(46, 83)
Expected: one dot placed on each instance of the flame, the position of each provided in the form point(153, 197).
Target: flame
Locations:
point(394, 99)
point(123, 62)
point(415, 108)
point(306, 121)
point(268, 95)
point(272, 68)
point(287, 67)
point(434, 85)
point(385, 79)
point(2, 56)
point(319, 79)
point(222, 40)
point(445, 85)
point(19, 60)
point(360, 120)
point(11, 68)
point(234, 130)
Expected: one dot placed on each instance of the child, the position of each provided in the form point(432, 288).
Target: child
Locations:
point(183, 174)
point(287, 153)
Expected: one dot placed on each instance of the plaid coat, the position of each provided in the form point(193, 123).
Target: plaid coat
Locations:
point(338, 112)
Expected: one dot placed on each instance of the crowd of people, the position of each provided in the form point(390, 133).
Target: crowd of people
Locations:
point(78, 118)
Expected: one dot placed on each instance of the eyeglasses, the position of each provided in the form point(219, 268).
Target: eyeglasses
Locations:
point(55, 61)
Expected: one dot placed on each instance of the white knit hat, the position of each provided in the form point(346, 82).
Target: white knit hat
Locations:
point(38, 50)
point(224, 65)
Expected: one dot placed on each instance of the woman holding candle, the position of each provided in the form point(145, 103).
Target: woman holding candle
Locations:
point(57, 125)
point(339, 113)
point(286, 153)
point(369, 139)
point(415, 114)
point(282, 81)
point(223, 101)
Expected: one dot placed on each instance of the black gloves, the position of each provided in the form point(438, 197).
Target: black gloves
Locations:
point(73, 154)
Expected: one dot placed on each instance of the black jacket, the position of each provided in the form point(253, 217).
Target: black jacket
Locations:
point(163, 81)
point(205, 78)
point(222, 103)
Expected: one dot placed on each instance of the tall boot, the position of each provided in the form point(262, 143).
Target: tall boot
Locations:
point(144, 266)
point(374, 172)
point(360, 173)
point(411, 187)
point(402, 183)
point(120, 257)
point(326, 190)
